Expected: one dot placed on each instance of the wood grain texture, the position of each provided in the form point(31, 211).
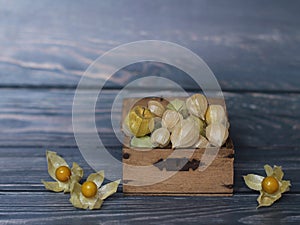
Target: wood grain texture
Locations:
point(33, 120)
point(160, 179)
point(52, 44)
point(43, 117)
point(50, 208)
point(24, 167)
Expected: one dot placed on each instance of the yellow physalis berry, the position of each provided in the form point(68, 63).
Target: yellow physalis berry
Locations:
point(89, 189)
point(270, 185)
point(63, 173)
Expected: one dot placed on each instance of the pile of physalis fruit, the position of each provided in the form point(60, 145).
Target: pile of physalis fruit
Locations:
point(192, 123)
point(89, 194)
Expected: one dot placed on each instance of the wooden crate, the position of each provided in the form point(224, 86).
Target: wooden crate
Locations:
point(176, 172)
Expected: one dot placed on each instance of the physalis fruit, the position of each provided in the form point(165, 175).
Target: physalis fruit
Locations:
point(59, 170)
point(90, 194)
point(270, 187)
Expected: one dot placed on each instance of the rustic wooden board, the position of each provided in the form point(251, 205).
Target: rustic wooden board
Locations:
point(246, 50)
point(35, 208)
point(24, 167)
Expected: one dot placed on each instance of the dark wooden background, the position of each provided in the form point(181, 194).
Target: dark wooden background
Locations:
point(253, 47)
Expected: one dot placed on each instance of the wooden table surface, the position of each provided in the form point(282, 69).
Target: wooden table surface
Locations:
point(253, 48)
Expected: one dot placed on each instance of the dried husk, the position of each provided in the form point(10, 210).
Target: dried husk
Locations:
point(170, 119)
point(197, 105)
point(202, 142)
point(178, 106)
point(53, 186)
point(217, 134)
point(97, 178)
point(216, 114)
point(141, 142)
point(268, 170)
point(156, 108)
point(125, 127)
point(109, 189)
point(140, 121)
point(185, 134)
point(199, 123)
point(76, 172)
point(160, 137)
point(265, 199)
point(277, 172)
point(253, 181)
point(285, 186)
point(157, 123)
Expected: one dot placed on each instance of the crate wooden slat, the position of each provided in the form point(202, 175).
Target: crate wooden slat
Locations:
point(176, 172)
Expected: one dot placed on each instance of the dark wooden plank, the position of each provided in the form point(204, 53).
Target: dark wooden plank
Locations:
point(50, 208)
point(43, 117)
point(23, 168)
point(251, 45)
